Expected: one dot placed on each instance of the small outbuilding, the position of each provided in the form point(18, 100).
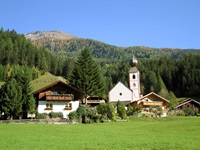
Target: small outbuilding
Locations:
point(189, 103)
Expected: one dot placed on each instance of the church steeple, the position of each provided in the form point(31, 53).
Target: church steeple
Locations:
point(134, 79)
point(133, 62)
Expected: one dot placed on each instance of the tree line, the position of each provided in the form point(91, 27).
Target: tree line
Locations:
point(181, 76)
point(158, 74)
point(16, 50)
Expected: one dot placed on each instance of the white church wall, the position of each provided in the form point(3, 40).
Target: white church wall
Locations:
point(120, 92)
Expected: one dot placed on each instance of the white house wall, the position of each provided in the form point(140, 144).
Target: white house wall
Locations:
point(120, 92)
point(57, 107)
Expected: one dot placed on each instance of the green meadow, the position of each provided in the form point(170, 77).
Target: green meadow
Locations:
point(136, 133)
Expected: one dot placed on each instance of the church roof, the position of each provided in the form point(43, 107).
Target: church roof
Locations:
point(120, 84)
point(133, 70)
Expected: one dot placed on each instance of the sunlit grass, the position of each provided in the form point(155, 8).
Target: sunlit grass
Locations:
point(137, 133)
point(45, 80)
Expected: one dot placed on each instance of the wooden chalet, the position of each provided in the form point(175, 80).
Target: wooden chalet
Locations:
point(54, 94)
point(151, 101)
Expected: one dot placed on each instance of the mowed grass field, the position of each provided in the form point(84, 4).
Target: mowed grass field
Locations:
point(136, 133)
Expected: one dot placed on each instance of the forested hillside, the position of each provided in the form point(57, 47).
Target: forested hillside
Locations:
point(71, 47)
point(164, 71)
point(180, 76)
point(17, 53)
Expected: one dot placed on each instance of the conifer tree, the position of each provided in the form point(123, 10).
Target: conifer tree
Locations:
point(10, 100)
point(111, 111)
point(28, 101)
point(87, 75)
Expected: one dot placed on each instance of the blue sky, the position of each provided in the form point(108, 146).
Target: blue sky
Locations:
point(152, 23)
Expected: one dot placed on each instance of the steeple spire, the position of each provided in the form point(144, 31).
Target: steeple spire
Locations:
point(133, 62)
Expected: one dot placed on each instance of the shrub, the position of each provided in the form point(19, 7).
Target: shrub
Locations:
point(121, 110)
point(157, 110)
point(56, 115)
point(137, 109)
point(102, 109)
point(97, 118)
point(180, 113)
point(190, 110)
point(41, 116)
point(107, 111)
point(111, 112)
point(129, 110)
point(83, 112)
point(92, 113)
point(73, 115)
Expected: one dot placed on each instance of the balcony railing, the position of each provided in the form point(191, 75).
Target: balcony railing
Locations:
point(60, 97)
point(95, 101)
point(152, 103)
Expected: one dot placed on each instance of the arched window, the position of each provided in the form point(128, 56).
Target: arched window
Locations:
point(133, 76)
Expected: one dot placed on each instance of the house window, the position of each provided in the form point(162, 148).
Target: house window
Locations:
point(134, 77)
point(49, 106)
point(120, 94)
point(55, 92)
point(70, 105)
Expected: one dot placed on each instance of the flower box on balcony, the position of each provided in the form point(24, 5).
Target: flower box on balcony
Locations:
point(48, 108)
point(67, 108)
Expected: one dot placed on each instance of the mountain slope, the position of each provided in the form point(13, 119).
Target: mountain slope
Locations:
point(34, 36)
point(70, 46)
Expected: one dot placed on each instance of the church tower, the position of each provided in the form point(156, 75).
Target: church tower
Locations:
point(134, 79)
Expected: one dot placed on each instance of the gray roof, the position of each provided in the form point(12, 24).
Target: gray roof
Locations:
point(187, 101)
point(133, 70)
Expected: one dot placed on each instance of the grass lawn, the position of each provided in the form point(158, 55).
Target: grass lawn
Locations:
point(137, 133)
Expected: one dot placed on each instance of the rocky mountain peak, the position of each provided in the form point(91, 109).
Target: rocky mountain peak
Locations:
point(33, 36)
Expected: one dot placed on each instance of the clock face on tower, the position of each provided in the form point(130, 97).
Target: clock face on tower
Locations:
point(134, 85)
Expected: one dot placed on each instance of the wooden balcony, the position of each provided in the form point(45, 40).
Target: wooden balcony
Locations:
point(60, 97)
point(152, 103)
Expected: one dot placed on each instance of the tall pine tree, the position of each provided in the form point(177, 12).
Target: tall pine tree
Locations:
point(28, 101)
point(87, 75)
point(11, 98)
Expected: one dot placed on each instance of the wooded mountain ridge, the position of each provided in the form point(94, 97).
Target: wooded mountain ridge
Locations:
point(67, 45)
point(160, 73)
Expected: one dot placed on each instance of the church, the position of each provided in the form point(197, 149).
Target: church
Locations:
point(131, 95)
